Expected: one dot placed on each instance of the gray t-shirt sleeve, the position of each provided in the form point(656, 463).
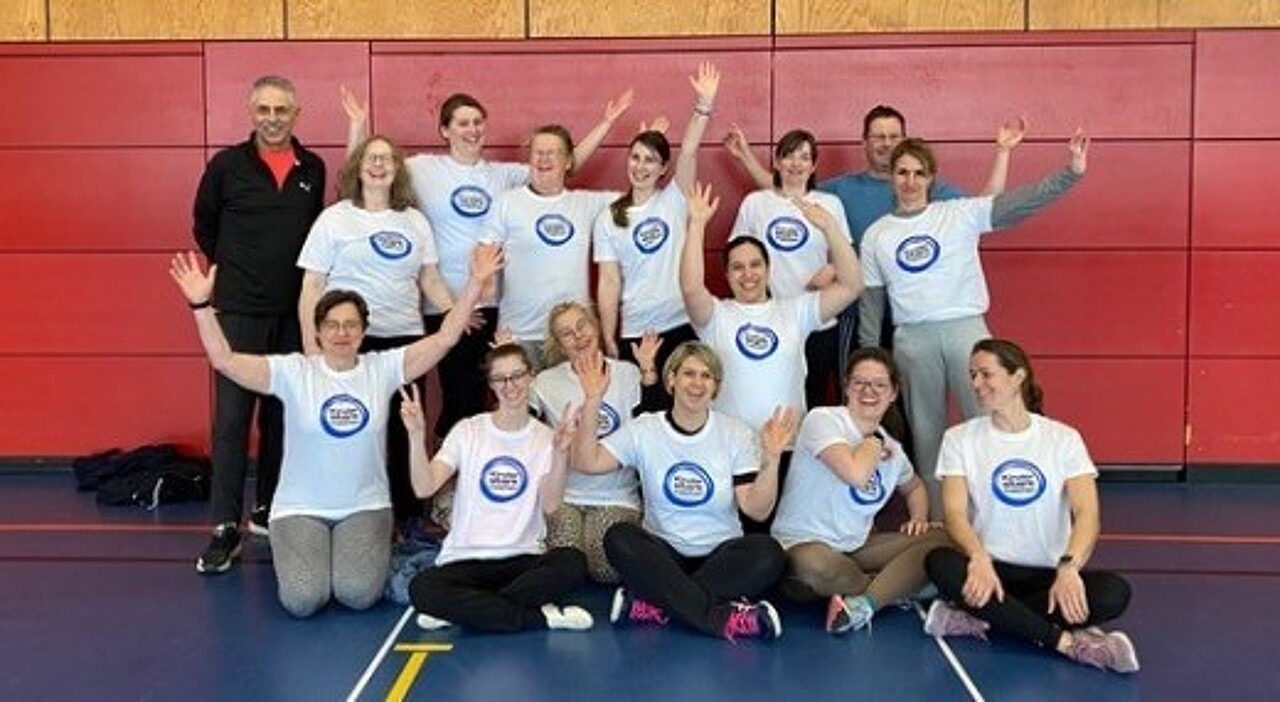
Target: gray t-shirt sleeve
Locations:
point(1011, 208)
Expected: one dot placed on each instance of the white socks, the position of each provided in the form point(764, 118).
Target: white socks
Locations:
point(571, 618)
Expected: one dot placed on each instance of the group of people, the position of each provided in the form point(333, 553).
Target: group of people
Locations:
point(629, 447)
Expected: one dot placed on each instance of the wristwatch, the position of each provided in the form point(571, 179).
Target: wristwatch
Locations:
point(1066, 559)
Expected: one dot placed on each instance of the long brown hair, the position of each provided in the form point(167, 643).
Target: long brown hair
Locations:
point(1011, 357)
point(349, 187)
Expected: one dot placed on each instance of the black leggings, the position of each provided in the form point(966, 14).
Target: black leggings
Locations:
point(404, 503)
point(505, 595)
point(1026, 596)
point(463, 387)
point(694, 590)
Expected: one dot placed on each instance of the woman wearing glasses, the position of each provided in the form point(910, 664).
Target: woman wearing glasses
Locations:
point(331, 517)
point(843, 472)
point(374, 242)
point(494, 572)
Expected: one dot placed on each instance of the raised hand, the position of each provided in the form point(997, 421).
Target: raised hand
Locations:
point(567, 428)
point(1010, 134)
point(415, 421)
point(736, 142)
point(501, 337)
point(1079, 148)
point(778, 430)
point(646, 352)
point(356, 111)
point(658, 124)
point(617, 106)
point(701, 203)
point(486, 261)
point(195, 285)
point(817, 214)
point(705, 85)
point(593, 373)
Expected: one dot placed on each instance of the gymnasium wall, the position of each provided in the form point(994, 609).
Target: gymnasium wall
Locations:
point(1143, 295)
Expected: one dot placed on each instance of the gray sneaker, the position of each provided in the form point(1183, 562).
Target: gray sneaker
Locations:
point(944, 620)
point(1108, 651)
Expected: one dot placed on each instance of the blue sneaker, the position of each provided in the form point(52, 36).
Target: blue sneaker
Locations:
point(845, 614)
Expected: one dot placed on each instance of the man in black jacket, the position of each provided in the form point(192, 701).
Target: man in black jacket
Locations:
point(255, 204)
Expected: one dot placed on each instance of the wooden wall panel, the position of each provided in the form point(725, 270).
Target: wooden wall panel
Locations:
point(1093, 14)
point(316, 69)
point(823, 16)
point(1227, 213)
point(97, 200)
point(626, 18)
point(24, 20)
point(1129, 411)
point(1232, 13)
point(1119, 91)
point(1090, 303)
point(436, 19)
point(1233, 303)
point(70, 406)
point(408, 89)
point(80, 20)
point(1233, 413)
point(1093, 215)
point(102, 101)
point(94, 304)
point(1235, 84)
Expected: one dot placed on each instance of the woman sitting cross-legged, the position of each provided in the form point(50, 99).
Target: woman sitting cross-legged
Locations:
point(1029, 484)
point(844, 470)
point(493, 572)
point(690, 560)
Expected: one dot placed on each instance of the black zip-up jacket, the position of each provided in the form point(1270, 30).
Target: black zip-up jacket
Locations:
point(254, 230)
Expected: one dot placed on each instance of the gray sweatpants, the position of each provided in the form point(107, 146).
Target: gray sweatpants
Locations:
point(934, 358)
point(318, 559)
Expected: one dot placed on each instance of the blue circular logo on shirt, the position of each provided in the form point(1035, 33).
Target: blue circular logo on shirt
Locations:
point(470, 201)
point(503, 479)
point(916, 253)
point(607, 421)
point(756, 342)
point(650, 234)
point(873, 494)
point(1017, 482)
point(390, 245)
point(687, 485)
point(786, 233)
point(554, 229)
point(343, 415)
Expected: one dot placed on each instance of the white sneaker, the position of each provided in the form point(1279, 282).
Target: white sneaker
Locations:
point(430, 623)
point(571, 618)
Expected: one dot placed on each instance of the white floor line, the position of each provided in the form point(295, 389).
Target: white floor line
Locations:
point(950, 655)
point(382, 653)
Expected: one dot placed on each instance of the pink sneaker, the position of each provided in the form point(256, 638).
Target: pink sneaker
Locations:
point(944, 620)
point(627, 607)
point(751, 620)
point(1109, 651)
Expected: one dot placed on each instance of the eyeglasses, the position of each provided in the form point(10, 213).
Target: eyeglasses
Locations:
point(350, 326)
point(498, 381)
point(879, 386)
point(377, 159)
point(581, 328)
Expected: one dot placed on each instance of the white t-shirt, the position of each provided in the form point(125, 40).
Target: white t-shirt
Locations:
point(1017, 485)
point(458, 201)
point(762, 348)
point(558, 386)
point(497, 510)
point(335, 433)
point(797, 247)
point(816, 504)
point(377, 254)
point(929, 262)
point(648, 256)
point(688, 480)
point(548, 248)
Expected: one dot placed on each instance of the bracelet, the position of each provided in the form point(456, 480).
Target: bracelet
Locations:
point(200, 305)
point(701, 110)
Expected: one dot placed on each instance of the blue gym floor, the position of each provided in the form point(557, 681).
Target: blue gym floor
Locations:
point(103, 603)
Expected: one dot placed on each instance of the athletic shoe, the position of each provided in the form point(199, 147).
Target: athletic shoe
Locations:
point(1113, 651)
point(845, 614)
point(944, 620)
point(258, 520)
point(430, 623)
point(222, 550)
point(751, 620)
point(629, 608)
point(571, 618)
